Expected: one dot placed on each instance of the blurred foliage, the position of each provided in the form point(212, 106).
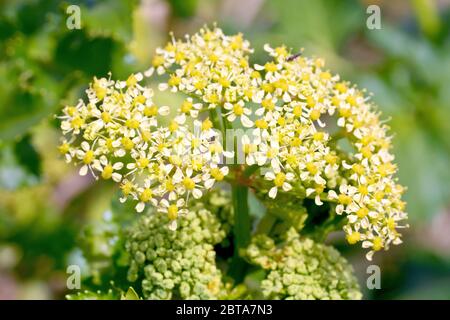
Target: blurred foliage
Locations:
point(49, 61)
point(44, 223)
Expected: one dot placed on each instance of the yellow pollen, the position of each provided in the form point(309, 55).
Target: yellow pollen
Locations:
point(213, 58)
point(353, 237)
point(358, 169)
point(173, 126)
point(341, 87)
point(215, 148)
point(77, 122)
point(179, 56)
point(379, 195)
point(195, 143)
point(157, 61)
point(325, 75)
point(188, 183)
point(351, 100)
point(344, 199)
point(172, 212)
point(268, 104)
point(238, 109)
point(131, 81)
point(271, 153)
point(363, 190)
point(362, 212)
point(186, 106)
point(391, 223)
point(261, 123)
point(310, 102)
point(207, 124)
point(106, 117)
point(255, 75)
point(71, 111)
point(297, 111)
point(140, 99)
point(270, 67)
point(200, 85)
point(127, 143)
point(318, 136)
point(100, 92)
point(132, 123)
point(107, 172)
point(249, 147)
point(142, 162)
point(146, 195)
point(377, 244)
point(330, 158)
point(126, 187)
point(88, 157)
point(279, 180)
point(175, 160)
point(224, 82)
point(267, 87)
point(64, 148)
point(151, 111)
point(174, 81)
point(314, 115)
point(312, 168)
point(169, 185)
point(213, 98)
point(217, 174)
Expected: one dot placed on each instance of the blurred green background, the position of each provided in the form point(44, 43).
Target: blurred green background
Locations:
point(45, 206)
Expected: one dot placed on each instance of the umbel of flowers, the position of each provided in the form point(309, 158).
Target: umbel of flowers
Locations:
point(294, 116)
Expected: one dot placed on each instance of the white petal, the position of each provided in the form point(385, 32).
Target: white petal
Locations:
point(116, 177)
point(286, 186)
point(269, 175)
point(332, 194)
point(273, 192)
point(138, 76)
point(286, 97)
point(149, 72)
point(140, 207)
point(173, 225)
point(317, 201)
point(209, 183)
point(164, 110)
point(118, 166)
point(163, 86)
point(85, 146)
point(83, 170)
point(197, 193)
point(228, 154)
point(246, 122)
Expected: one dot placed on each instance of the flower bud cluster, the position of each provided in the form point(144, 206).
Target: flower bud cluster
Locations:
point(178, 264)
point(302, 269)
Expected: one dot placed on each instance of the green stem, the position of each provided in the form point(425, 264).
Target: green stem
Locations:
point(241, 231)
point(215, 120)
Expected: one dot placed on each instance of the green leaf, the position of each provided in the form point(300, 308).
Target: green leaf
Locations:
point(27, 155)
point(130, 295)
point(111, 18)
